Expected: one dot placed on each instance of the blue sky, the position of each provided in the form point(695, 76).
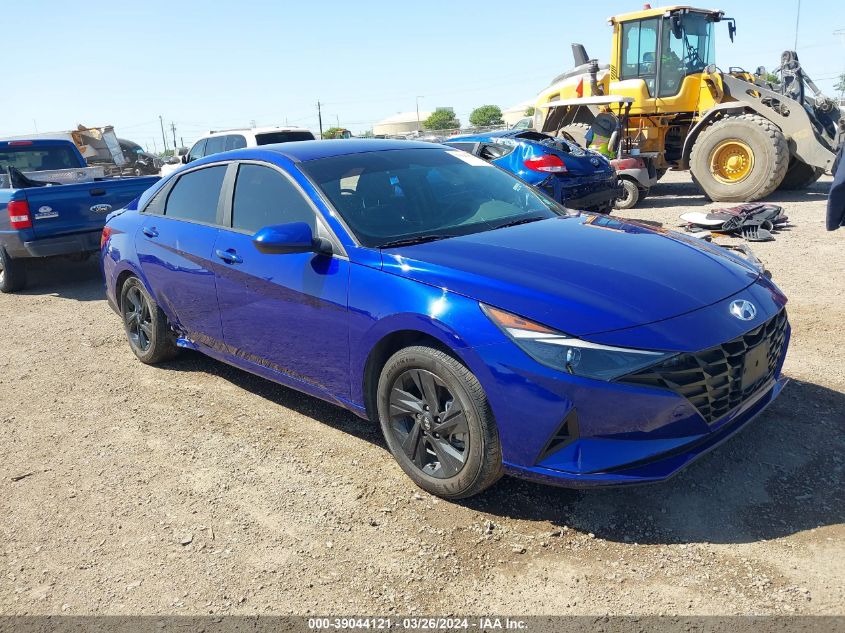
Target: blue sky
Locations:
point(207, 65)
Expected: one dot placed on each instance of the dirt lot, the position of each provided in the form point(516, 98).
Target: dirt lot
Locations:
point(196, 488)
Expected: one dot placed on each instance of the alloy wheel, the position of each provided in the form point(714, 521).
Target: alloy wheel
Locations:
point(138, 319)
point(428, 422)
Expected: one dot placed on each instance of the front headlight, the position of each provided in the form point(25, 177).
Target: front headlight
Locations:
point(570, 354)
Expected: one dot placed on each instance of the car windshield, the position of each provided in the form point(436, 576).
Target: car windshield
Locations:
point(268, 138)
point(401, 196)
point(40, 158)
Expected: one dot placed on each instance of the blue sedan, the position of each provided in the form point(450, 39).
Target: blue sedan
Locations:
point(487, 329)
point(578, 178)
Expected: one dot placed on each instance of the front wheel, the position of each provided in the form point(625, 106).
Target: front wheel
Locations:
point(740, 158)
point(438, 423)
point(12, 273)
point(145, 324)
point(630, 194)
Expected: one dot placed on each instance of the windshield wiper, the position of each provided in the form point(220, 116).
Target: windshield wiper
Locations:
point(419, 239)
point(518, 222)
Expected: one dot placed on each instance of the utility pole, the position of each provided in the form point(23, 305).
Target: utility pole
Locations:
point(182, 141)
point(418, 111)
point(155, 149)
point(320, 118)
point(163, 137)
point(337, 117)
point(797, 18)
point(173, 129)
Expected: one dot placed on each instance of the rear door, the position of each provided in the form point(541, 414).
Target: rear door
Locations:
point(79, 208)
point(286, 312)
point(175, 248)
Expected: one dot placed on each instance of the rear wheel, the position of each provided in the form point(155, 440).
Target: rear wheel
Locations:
point(740, 158)
point(800, 175)
point(630, 194)
point(12, 273)
point(438, 423)
point(145, 324)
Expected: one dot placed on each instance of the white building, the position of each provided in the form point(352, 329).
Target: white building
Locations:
point(516, 112)
point(401, 123)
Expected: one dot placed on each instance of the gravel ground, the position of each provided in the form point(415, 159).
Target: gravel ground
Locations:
point(196, 488)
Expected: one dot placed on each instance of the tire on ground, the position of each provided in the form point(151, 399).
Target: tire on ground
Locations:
point(483, 465)
point(162, 344)
point(800, 175)
point(631, 194)
point(771, 158)
point(12, 273)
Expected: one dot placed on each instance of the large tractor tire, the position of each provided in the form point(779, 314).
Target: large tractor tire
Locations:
point(800, 175)
point(740, 159)
point(578, 131)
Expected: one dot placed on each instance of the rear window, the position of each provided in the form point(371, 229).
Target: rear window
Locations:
point(30, 158)
point(194, 197)
point(268, 138)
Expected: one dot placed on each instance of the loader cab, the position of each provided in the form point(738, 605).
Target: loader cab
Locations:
point(655, 50)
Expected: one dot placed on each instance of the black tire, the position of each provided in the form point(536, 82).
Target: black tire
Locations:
point(12, 273)
point(630, 194)
point(770, 158)
point(465, 457)
point(146, 326)
point(800, 175)
point(578, 131)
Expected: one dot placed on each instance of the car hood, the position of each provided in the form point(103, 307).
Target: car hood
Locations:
point(582, 275)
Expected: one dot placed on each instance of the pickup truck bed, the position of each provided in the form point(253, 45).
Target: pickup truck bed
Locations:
point(62, 219)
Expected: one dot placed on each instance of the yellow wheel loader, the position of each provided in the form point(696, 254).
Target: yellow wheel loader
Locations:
point(740, 135)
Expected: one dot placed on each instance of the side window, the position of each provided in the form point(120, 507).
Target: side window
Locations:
point(264, 197)
point(639, 51)
point(466, 146)
point(235, 141)
point(194, 197)
point(215, 145)
point(492, 151)
point(197, 151)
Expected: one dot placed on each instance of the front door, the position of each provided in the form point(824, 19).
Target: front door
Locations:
point(285, 312)
point(175, 247)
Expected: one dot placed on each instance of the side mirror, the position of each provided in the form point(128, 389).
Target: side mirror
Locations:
point(184, 159)
point(677, 27)
point(296, 237)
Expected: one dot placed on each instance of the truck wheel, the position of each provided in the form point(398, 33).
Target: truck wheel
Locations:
point(12, 273)
point(578, 131)
point(800, 175)
point(630, 194)
point(740, 159)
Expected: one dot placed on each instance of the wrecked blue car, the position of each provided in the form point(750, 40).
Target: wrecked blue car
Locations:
point(578, 178)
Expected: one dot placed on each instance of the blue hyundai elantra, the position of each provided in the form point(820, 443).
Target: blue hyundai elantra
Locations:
point(486, 328)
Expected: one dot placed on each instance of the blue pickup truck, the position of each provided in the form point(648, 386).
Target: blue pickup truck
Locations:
point(44, 212)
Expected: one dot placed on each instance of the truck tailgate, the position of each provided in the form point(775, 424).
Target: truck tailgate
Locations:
point(64, 209)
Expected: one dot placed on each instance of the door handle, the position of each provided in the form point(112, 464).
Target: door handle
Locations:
point(150, 231)
point(229, 256)
point(97, 192)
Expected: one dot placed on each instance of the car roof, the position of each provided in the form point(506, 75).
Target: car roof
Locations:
point(256, 130)
point(301, 151)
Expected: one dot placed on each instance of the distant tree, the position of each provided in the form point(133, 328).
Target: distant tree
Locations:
point(529, 111)
point(442, 120)
point(840, 85)
point(333, 132)
point(772, 78)
point(486, 116)
point(367, 134)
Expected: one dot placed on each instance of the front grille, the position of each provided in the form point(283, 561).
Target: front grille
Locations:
point(712, 380)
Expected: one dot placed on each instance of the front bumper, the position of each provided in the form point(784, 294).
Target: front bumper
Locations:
point(579, 432)
point(657, 466)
